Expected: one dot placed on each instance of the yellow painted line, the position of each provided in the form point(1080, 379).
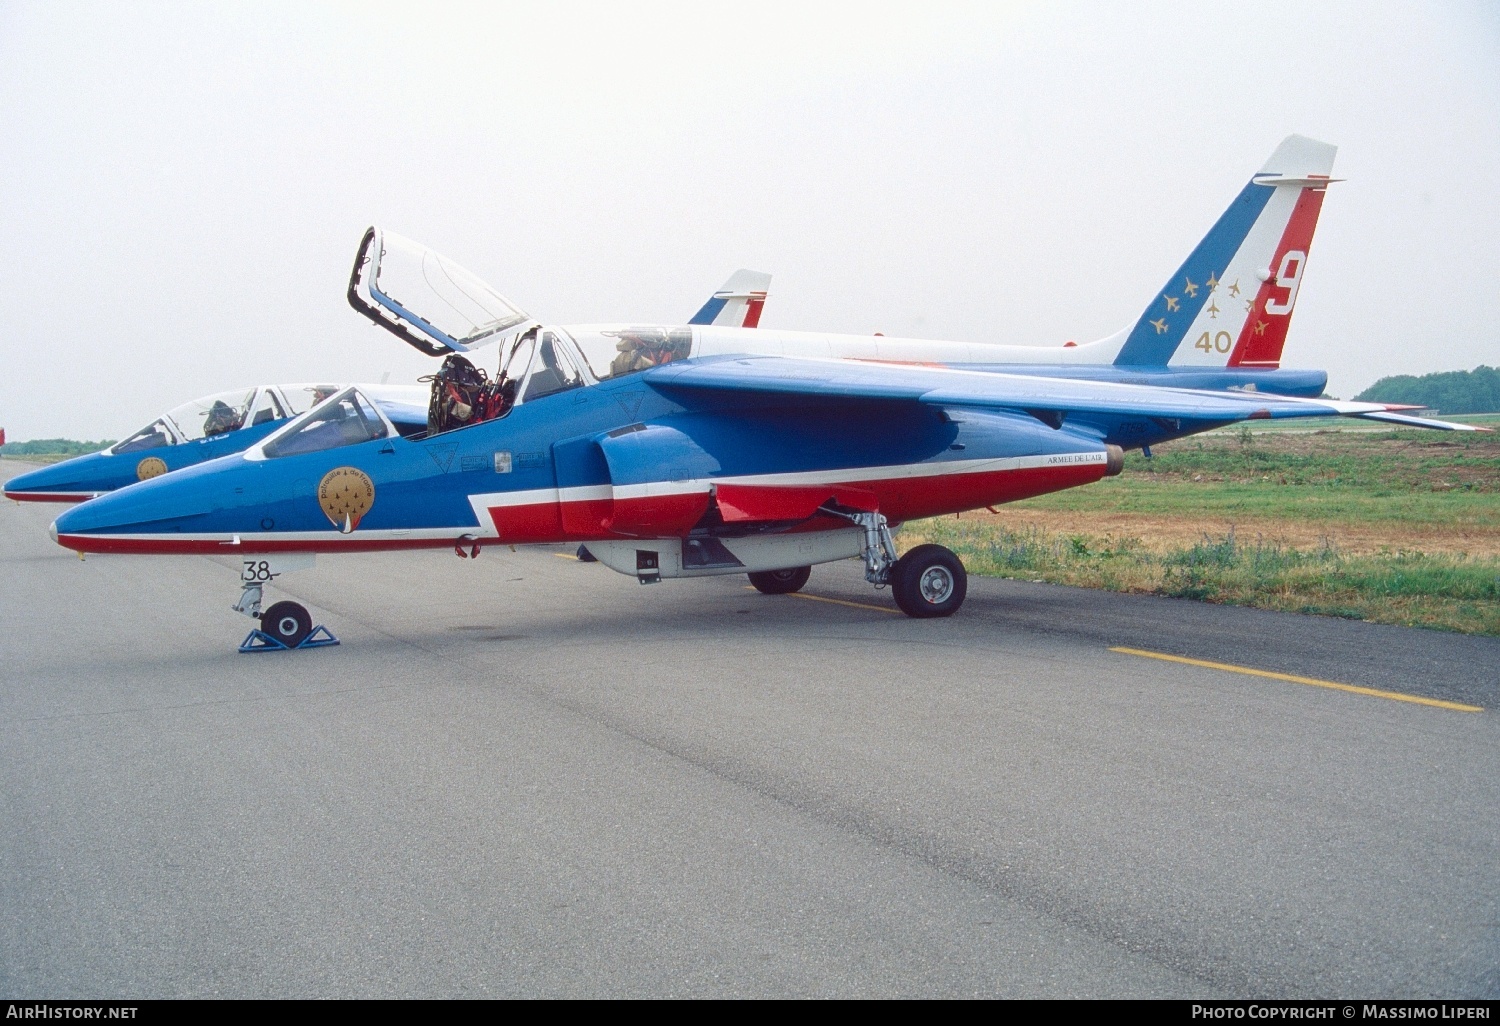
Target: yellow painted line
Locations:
point(1394, 696)
point(564, 555)
point(837, 602)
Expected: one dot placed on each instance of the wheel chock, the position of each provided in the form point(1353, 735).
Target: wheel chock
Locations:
point(314, 641)
point(259, 641)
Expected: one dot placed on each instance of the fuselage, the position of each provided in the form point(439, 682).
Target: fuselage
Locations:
point(173, 442)
point(611, 458)
point(84, 477)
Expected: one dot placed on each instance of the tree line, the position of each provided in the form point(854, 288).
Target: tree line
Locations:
point(1475, 391)
point(52, 447)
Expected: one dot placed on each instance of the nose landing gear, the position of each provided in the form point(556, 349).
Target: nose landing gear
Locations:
point(283, 626)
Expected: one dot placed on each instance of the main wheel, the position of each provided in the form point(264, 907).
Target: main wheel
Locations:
point(929, 581)
point(781, 582)
point(287, 622)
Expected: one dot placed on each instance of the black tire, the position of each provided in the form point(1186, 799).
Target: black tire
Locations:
point(781, 582)
point(287, 622)
point(929, 581)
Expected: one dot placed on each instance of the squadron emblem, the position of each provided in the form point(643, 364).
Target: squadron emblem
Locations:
point(346, 495)
point(149, 467)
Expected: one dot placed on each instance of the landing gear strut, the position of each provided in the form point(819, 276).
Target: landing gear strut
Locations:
point(879, 548)
point(928, 581)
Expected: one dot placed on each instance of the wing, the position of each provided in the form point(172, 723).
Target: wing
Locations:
point(1104, 406)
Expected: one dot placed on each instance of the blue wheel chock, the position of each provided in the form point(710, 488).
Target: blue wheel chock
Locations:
point(259, 641)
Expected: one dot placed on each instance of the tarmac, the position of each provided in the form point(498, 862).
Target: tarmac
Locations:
point(523, 775)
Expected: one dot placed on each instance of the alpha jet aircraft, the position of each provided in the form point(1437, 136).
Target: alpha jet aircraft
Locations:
point(198, 431)
point(229, 422)
point(665, 458)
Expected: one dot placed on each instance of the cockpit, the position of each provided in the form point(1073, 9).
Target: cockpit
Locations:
point(543, 362)
point(347, 418)
point(223, 413)
point(442, 309)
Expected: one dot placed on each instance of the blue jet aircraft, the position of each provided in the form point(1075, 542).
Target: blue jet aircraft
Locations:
point(230, 422)
point(668, 453)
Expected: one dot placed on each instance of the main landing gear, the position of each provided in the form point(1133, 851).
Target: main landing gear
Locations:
point(283, 626)
point(781, 582)
point(929, 581)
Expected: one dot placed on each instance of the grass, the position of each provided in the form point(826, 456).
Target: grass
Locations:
point(1390, 526)
point(1398, 476)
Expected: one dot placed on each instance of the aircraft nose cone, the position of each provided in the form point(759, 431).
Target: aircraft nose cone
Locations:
point(69, 481)
point(158, 509)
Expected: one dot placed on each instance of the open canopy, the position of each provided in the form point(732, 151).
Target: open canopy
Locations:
point(425, 299)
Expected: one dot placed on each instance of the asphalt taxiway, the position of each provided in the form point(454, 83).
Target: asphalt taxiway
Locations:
point(525, 775)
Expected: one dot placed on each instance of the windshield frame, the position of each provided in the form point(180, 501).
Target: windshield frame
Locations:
point(394, 315)
point(257, 452)
point(174, 436)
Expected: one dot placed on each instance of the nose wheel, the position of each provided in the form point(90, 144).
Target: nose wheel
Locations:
point(283, 625)
point(287, 622)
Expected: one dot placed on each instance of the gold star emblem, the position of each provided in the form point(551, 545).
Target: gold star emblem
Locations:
point(1260, 327)
point(1190, 288)
point(1234, 290)
point(1160, 324)
point(1213, 309)
point(1212, 282)
point(1171, 303)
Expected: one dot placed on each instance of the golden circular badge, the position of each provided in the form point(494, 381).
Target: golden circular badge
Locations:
point(150, 467)
point(346, 495)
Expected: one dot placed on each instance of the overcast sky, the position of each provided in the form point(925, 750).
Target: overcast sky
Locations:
point(182, 187)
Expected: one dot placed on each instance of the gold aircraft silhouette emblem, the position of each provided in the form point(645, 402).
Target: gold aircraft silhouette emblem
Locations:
point(346, 495)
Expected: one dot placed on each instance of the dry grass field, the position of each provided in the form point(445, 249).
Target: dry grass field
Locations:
point(1391, 526)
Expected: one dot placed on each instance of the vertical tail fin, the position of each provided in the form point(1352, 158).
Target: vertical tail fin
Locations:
point(737, 303)
point(1231, 301)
